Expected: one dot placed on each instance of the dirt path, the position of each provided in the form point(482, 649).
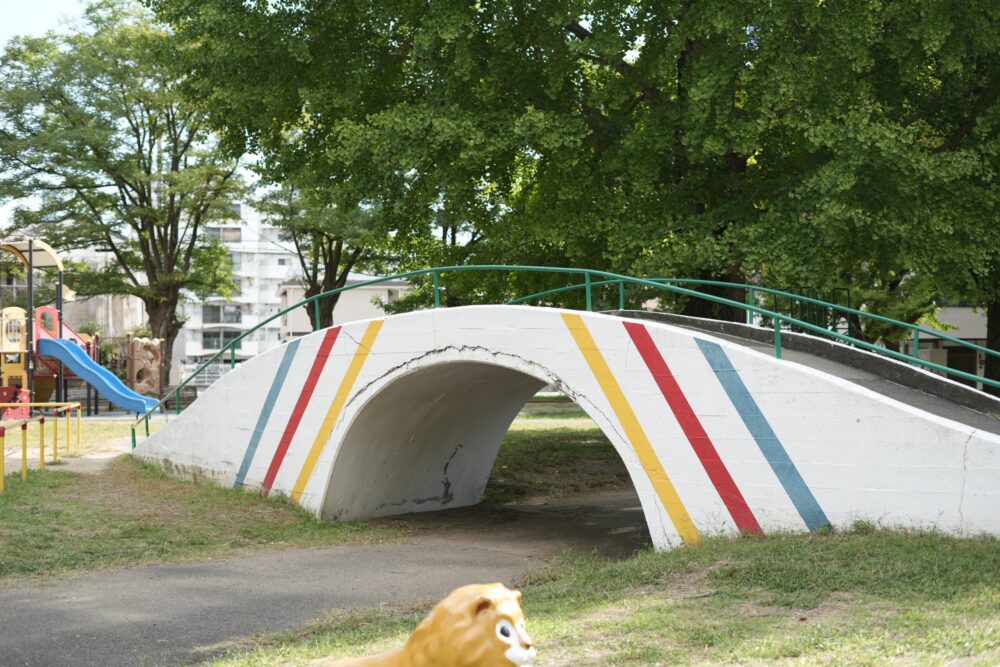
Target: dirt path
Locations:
point(96, 460)
point(176, 614)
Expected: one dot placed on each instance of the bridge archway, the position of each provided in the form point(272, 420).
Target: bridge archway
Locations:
point(426, 438)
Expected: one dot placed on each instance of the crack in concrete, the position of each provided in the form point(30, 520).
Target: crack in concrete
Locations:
point(965, 474)
point(447, 496)
point(344, 331)
point(405, 501)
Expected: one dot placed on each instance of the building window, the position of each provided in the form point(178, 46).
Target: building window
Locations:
point(236, 259)
point(237, 287)
point(221, 314)
point(237, 209)
point(216, 340)
point(225, 234)
point(282, 261)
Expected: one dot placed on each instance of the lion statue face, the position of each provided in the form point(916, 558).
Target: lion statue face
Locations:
point(503, 613)
point(481, 625)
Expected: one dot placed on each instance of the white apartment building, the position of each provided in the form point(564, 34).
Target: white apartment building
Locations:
point(267, 274)
point(261, 262)
point(115, 314)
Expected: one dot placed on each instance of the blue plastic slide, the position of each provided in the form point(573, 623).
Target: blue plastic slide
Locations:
point(104, 381)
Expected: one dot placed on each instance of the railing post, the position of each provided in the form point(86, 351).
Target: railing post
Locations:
point(777, 338)
point(316, 313)
point(55, 435)
point(437, 289)
point(177, 401)
point(146, 420)
point(590, 298)
point(3, 454)
point(24, 451)
point(133, 435)
point(232, 357)
point(79, 424)
point(67, 430)
point(750, 302)
point(621, 295)
point(41, 443)
point(916, 344)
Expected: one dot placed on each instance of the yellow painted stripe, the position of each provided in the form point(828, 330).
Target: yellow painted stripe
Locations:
point(633, 430)
point(343, 392)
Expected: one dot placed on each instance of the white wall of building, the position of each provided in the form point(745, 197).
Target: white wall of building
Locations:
point(115, 315)
point(261, 262)
point(268, 274)
point(969, 323)
point(360, 303)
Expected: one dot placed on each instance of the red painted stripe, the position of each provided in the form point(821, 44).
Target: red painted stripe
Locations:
point(300, 407)
point(693, 429)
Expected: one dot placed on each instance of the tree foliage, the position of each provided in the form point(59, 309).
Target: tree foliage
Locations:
point(94, 131)
point(797, 142)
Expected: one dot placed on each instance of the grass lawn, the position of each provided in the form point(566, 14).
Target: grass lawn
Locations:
point(863, 597)
point(859, 598)
point(554, 457)
point(132, 513)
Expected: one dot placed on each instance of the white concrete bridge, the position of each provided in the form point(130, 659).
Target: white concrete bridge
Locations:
point(406, 414)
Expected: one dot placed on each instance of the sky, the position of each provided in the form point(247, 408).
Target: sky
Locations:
point(21, 17)
point(24, 17)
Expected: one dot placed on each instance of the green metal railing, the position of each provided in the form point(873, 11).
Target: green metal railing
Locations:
point(605, 278)
point(917, 331)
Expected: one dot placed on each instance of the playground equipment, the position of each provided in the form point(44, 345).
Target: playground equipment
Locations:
point(406, 414)
point(480, 625)
point(37, 347)
point(65, 408)
point(144, 364)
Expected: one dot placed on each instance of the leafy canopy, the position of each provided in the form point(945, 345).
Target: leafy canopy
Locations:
point(808, 143)
point(95, 134)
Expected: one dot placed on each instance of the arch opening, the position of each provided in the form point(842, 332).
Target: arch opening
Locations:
point(428, 440)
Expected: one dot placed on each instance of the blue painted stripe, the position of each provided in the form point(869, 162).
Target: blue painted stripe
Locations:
point(265, 413)
point(764, 435)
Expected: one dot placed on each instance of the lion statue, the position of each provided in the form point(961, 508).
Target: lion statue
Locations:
point(480, 625)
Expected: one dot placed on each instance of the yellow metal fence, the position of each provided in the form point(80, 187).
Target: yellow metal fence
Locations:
point(56, 408)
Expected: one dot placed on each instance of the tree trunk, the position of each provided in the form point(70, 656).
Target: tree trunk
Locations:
point(992, 370)
point(163, 324)
point(326, 306)
point(716, 311)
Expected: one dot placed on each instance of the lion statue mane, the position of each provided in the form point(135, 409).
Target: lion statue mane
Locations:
point(480, 625)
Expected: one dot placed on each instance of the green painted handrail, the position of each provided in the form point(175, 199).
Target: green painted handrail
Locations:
point(916, 328)
point(613, 278)
point(778, 318)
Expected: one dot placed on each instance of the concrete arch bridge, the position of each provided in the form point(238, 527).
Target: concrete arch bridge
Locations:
point(407, 413)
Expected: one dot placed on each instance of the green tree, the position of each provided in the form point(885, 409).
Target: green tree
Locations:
point(328, 240)
point(802, 142)
point(96, 136)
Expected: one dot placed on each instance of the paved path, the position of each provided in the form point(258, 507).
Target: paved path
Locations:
point(179, 614)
